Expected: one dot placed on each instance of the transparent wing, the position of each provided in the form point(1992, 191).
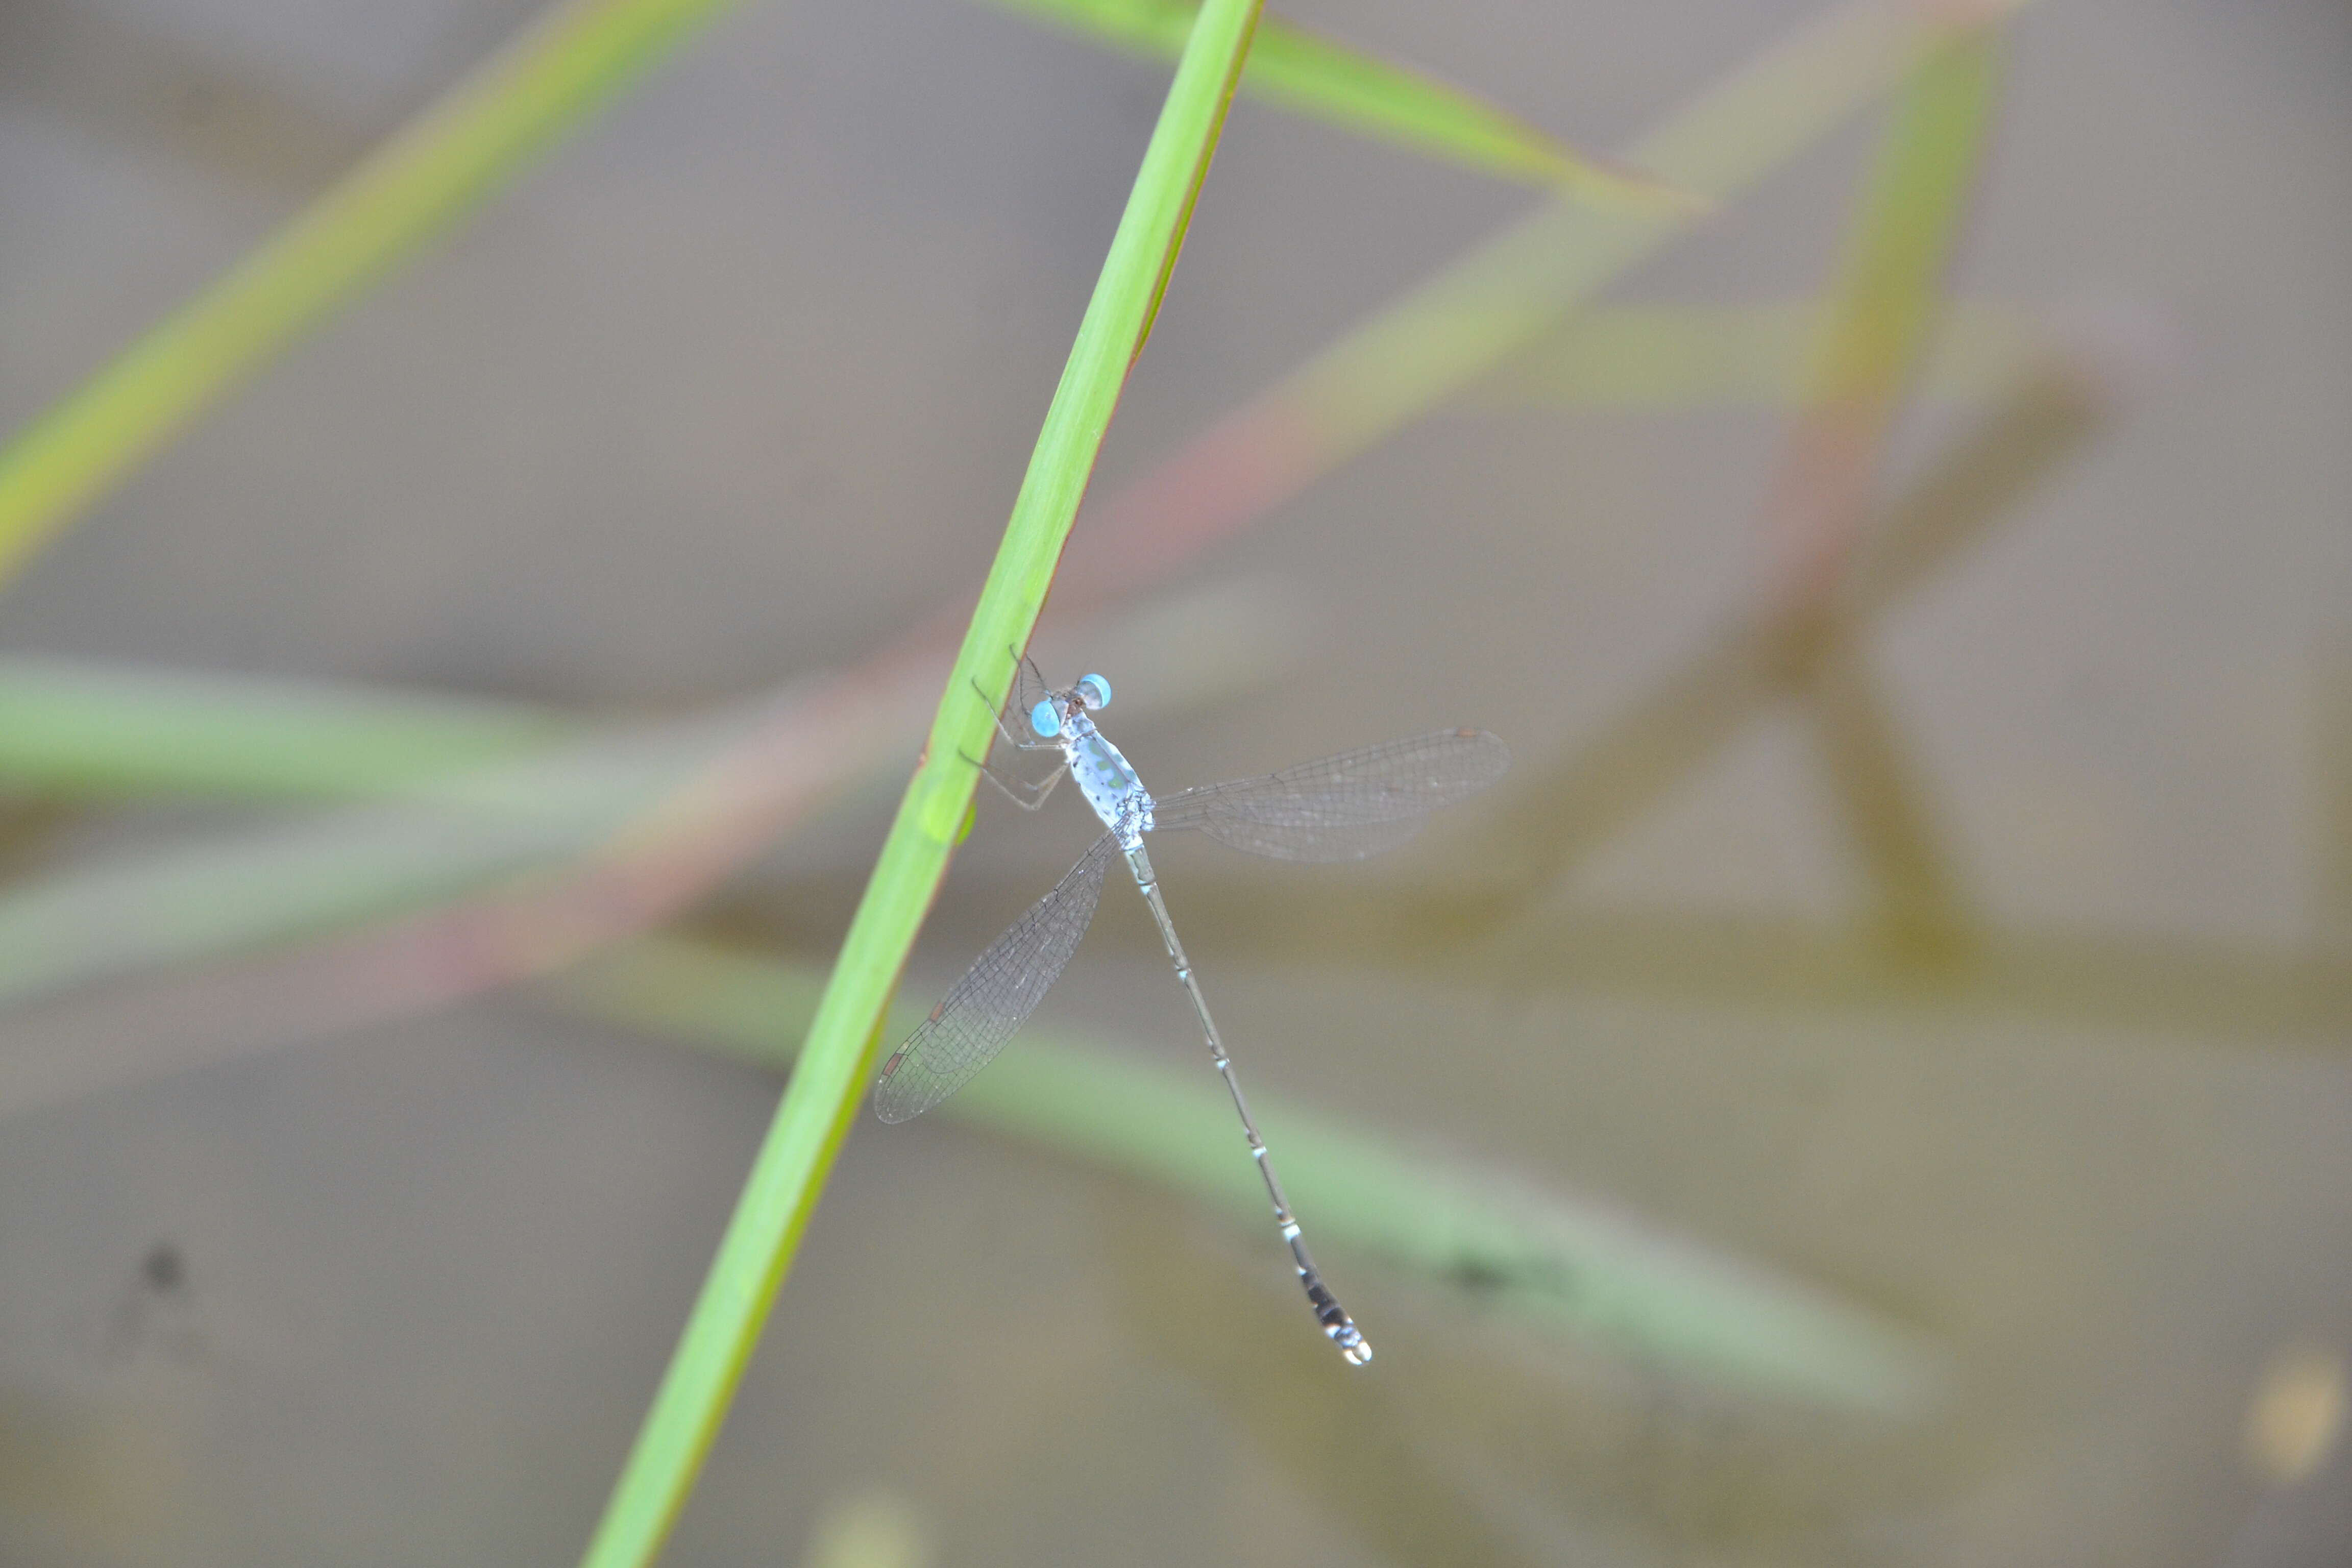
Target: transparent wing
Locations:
point(1002, 987)
point(1344, 807)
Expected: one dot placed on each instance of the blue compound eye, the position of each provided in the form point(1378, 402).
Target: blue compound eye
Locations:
point(1095, 691)
point(1044, 721)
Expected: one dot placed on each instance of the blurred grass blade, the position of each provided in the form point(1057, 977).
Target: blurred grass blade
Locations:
point(1884, 303)
point(1560, 1264)
point(873, 1529)
point(75, 727)
point(1663, 359)
point(1312, 76)
point(230, 893)
point(461, 148)
point(829, 1081)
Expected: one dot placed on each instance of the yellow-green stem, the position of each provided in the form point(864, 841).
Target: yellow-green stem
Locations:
point(826, 1085)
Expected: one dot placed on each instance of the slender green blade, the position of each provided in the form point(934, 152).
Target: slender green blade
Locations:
point(79, 729)
point(827, 1084)
point(576, 58)
point(1319, 79)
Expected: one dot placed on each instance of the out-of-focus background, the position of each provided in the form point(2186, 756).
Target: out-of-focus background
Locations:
point(1918, 908)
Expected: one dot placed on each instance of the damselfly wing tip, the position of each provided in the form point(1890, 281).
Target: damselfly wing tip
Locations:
point(885, 1105)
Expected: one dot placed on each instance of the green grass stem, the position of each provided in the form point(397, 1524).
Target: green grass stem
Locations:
point(829, 1082)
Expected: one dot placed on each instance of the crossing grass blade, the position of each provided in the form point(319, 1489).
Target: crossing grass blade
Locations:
point(575, 59)
point(1294, 68)
point(821, 1099)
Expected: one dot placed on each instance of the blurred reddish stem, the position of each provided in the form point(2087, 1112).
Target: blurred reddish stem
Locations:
point(1883, 307)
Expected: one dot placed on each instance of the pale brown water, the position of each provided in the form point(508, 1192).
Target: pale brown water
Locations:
point(741, 381)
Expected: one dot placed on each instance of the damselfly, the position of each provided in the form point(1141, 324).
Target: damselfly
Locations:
point(1341, 808)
